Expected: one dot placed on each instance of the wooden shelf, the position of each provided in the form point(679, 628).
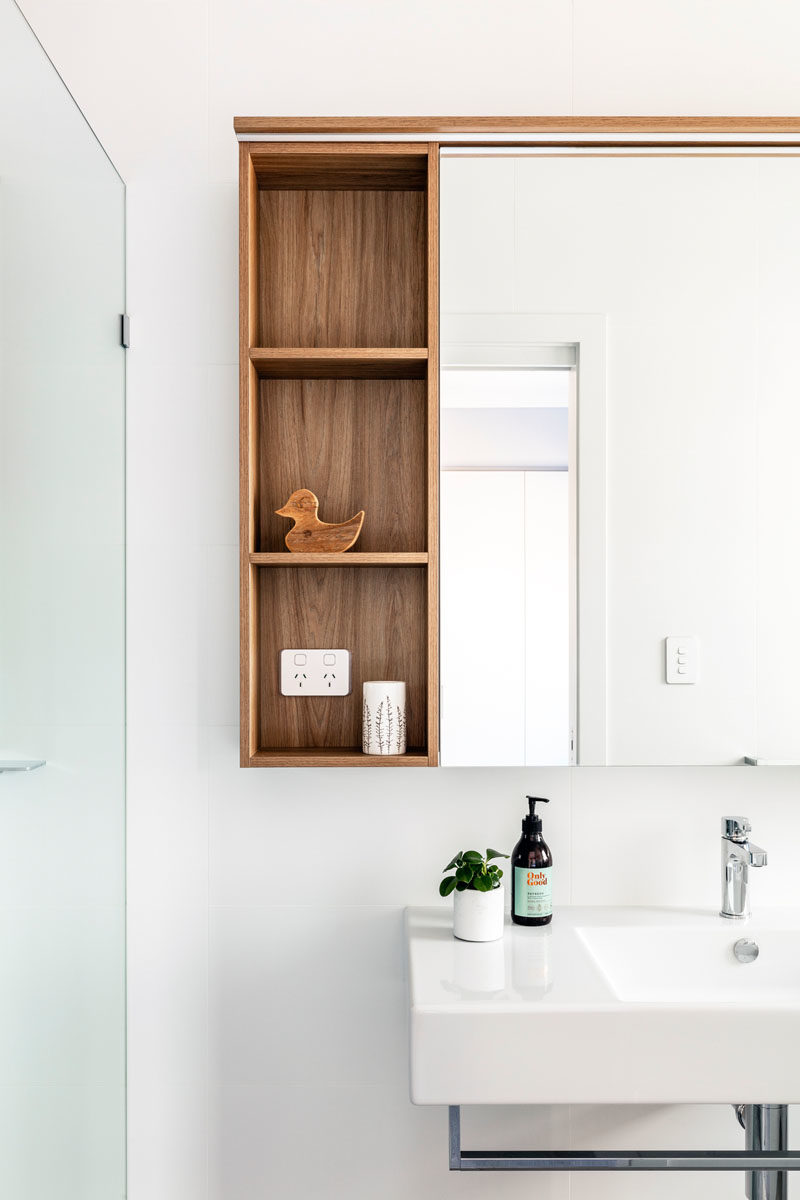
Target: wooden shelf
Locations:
point(371, 362)
point(350, 558)
point(338, 360)
point(346, 756)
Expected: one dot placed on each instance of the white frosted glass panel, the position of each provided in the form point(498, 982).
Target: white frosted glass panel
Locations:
point(483, 618)
point(63, 825)
point(62, 989)
point(62, 614)
point(62, 664)
point(547, 611)
point(64, 1142)
point(63, 429)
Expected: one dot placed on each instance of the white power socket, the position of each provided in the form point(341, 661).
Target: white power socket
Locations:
point(315, 672)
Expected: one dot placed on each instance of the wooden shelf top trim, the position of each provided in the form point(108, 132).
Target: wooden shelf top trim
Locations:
point(331, 756)
point(299, 362)
point(365, 150)
point(357, 166)
point(446, 127)
point(350, 558)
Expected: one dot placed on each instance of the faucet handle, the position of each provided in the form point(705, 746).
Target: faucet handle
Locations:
point(736, 828)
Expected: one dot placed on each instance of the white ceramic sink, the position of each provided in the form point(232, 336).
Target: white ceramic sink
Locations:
point(661, 964)
point(606, 1005)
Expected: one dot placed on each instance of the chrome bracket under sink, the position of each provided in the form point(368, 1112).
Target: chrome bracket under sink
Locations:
point(770, 1164)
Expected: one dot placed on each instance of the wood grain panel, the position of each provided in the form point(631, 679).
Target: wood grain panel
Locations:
point(343, 363)
point(341, 268)
point(378, 613)
point(356, 444)
point(441, 127)
point(248, 440)
point(347, 167)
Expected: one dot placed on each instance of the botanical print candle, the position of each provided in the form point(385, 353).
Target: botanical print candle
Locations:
point(384, 728)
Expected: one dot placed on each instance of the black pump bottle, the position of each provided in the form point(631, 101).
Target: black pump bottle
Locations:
point(531, 870)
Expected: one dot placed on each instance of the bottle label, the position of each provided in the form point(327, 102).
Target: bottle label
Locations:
point(533, 894)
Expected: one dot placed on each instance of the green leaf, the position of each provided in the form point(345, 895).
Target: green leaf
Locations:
point(482, 883)
point(461, 887)
point(464, 874)
point(499, 875)
point(447, 885)
point(491, 854)
point(473, 856)
point(454, 862)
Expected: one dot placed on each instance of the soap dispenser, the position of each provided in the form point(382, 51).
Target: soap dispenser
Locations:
point(531, 871)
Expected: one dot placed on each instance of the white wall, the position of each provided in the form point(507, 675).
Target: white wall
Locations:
point(266, 1036)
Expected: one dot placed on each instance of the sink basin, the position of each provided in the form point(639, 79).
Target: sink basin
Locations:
point(606, 1006)
point(662, 964)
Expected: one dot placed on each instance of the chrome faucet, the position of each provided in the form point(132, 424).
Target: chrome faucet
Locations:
point(738, 856)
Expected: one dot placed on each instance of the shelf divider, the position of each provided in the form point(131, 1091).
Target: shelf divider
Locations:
point(339, 362)
point(336, 756)
point(284, 558)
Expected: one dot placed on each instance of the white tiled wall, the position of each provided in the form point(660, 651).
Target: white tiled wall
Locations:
point(266, 1026)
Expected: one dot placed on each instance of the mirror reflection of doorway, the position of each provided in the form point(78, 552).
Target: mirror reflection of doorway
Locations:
point(507, 543)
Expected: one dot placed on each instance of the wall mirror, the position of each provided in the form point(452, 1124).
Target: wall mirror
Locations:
point(619, 432)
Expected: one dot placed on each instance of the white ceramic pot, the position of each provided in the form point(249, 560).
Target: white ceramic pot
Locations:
point(384, 718)
point(478, 916)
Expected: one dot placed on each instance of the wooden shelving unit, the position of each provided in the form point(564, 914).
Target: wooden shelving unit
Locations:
point(339, 375)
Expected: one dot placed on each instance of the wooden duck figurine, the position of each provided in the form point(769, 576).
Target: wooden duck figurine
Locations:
point(312, 536)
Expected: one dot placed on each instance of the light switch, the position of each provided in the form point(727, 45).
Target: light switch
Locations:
point(681, 659)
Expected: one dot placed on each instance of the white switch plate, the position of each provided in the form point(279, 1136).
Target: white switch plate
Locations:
point(681, 659)
point(315, 672)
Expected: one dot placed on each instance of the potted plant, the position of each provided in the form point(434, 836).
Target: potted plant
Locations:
point(478, 909)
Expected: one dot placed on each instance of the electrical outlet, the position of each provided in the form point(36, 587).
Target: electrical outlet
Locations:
point(681, 659)
point(315, 672)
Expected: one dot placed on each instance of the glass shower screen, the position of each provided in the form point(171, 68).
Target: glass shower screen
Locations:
point(62, 648)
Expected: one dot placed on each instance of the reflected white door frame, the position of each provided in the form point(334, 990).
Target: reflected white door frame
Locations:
point(544, 340)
